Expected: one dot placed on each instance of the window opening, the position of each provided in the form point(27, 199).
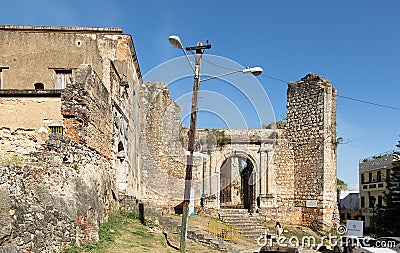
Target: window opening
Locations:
point(39, 86)
point(62, 78)
point(56, 130)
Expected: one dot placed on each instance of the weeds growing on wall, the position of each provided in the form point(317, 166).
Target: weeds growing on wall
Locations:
point(15, 159)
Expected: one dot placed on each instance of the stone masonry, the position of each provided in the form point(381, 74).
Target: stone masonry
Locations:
point(69, 133)
point(293, 176)
point(57, 197)
point(97, 135)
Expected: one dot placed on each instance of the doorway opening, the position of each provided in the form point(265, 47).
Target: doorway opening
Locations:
point(237, 183)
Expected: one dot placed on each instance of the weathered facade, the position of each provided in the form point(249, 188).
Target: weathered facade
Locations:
point(286, 174)
point(69, 132)
point(80, 131)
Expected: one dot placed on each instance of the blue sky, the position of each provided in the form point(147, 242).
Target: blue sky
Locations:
point(354, 44)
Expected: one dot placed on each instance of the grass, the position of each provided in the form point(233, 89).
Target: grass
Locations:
point(124, 233)
point(292, 230)
point(201, 222)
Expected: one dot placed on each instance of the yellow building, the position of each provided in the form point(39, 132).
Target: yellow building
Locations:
point(373, 172)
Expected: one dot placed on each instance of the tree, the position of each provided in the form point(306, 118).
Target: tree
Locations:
point(388, 217)
point(341, 185)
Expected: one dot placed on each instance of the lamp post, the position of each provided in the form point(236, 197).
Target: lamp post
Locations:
point(199, 49)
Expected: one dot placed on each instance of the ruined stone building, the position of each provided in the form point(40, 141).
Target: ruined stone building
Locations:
point(80, 132)
point(285, 174)
point(69, 131)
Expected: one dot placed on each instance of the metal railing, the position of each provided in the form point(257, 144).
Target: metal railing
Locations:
point(224, 231)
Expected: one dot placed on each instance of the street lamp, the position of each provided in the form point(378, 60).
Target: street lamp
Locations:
point(175, 41)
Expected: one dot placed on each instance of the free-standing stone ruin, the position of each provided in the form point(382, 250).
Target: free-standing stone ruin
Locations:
point(285, 173)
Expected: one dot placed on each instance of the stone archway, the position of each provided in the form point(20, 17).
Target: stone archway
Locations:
point(237, 184)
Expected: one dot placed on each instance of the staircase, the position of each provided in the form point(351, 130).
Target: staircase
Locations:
point(245, 222)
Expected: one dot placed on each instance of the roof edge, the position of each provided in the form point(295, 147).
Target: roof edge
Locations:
point(70, 29)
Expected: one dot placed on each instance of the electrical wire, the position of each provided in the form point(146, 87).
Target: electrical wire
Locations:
point(341, 96)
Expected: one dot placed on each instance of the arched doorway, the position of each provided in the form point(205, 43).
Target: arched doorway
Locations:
point(237, 183)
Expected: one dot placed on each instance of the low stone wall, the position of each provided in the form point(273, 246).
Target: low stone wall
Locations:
point(58, 196)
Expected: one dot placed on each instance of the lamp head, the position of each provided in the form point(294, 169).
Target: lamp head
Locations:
point(256, 71)
point(175, 41)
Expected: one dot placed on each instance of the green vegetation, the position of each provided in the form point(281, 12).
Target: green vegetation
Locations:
point(218, 138)
point(108, 232)
point(15, 159)
point(341, 185)
point(124, 233)
point(388, 217)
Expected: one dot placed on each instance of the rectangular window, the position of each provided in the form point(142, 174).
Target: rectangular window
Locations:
point(362, 178)
point(371, 201)
point(56, 130)
point(362, 201)
point(370, 177)
point(380, 198)
point(379, 176)
point(1, 76)
point(62, 78)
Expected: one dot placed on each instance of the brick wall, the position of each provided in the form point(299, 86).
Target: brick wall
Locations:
point(87, 112)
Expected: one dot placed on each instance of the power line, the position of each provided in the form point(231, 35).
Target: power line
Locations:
point(349, 98)
point(274, 78)
point(345, 97)
point(367, 102)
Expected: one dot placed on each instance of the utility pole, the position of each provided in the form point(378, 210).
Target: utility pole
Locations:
point(199, 48)
point(175, 41)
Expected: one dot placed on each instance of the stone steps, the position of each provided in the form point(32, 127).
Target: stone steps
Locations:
point(174, 226)
point(244, 222)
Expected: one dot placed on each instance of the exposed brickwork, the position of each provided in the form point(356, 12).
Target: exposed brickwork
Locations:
point(66, 187)
point(87, 111)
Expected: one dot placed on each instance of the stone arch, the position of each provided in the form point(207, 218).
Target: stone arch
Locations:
point(39, 86)
point(237, 182)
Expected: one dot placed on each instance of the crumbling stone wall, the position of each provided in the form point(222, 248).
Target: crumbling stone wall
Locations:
point(79, 169)
point(296, 173)
point(87, 111)
point(163, 156)
point(311, 129)
point(55, 198)
point(17, 143)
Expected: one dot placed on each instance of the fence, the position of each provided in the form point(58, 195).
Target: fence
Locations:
point(224, 231)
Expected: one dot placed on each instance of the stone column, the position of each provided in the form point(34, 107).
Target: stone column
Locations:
point(267, 177)
point(209, 192)
point(206, 175)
